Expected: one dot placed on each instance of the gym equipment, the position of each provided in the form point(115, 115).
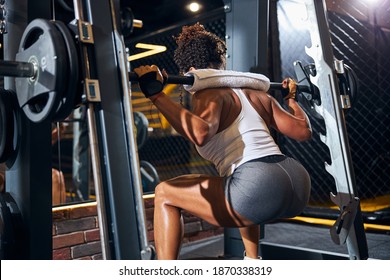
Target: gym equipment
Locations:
point(115, 165)
point(11, 228)
point(149, 175)
point(308, 94)
point(128, 22)
point(189, 80)
point(8, 125)
point(42, 47)
point(68, 98)
point(47, 71)
point(349, 226)
point(28, 173)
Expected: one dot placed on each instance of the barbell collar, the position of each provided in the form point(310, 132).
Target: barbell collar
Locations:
point(17, 69)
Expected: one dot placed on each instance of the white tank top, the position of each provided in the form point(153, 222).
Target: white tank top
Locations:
point(247, 138)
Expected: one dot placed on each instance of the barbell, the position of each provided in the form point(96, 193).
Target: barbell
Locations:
point(35, 81)
point(48, 79)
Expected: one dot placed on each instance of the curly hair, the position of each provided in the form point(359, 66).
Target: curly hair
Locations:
point(199, 48)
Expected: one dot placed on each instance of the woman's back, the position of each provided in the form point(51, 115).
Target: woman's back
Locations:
point(241, 137)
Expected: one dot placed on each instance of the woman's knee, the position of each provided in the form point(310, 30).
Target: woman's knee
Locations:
point(160, 193)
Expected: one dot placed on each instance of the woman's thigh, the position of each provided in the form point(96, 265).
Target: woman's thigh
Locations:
point(202, 196)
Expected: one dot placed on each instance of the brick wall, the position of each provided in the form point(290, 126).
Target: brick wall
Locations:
point(76, 230)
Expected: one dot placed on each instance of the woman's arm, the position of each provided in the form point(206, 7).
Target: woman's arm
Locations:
point(294, 124)
point(199, 125)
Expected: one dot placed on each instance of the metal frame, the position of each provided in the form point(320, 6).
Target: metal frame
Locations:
point(349, 226)
point(28, 175)
point(114, 150)
point(113, 147)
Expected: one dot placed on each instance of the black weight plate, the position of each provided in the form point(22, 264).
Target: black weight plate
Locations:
point(149, 176)
point(3, 126)
point(5, 228)
point(127, 20)
point(41, 44)
point(14, 144)
point(12, 230)
point(141, 124)
point(307, 100)
point(353, 84)
point(7, 125)
point(67, 101)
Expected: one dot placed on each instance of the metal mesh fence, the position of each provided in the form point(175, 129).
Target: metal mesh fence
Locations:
point(358, 40)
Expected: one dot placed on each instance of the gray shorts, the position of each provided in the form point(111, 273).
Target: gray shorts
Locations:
point(268, 188)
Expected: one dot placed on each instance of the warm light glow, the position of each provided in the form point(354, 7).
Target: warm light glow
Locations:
point(194, 7)
point(152, 50)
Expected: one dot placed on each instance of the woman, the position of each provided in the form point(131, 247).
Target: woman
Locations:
point(230, 127)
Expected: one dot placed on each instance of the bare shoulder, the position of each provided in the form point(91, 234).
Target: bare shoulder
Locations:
point(211, 93)
point(260, 100)
point(221, 96)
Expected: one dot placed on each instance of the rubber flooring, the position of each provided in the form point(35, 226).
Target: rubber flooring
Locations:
point(294, 236)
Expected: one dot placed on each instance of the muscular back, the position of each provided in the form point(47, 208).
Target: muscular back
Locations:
point(221, 106)
point(231, 106)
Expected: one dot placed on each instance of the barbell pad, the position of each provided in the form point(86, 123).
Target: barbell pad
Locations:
point(215, 78)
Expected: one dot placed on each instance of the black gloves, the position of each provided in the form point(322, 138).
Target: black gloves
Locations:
point(150, 79)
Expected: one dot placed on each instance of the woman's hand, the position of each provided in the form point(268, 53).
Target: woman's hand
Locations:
point(150, 79)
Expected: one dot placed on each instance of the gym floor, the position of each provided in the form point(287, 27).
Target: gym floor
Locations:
point(293, 235)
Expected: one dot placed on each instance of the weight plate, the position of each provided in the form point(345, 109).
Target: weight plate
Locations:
point(127, 20)
point(67, 101)
point(353, 84)
point(307, 100)
point(42, 45)
point(12, 230)
point(141, 124)
point(7, 125)
point(149, 176)
point(5, 229)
